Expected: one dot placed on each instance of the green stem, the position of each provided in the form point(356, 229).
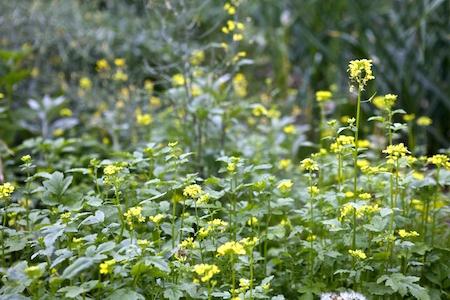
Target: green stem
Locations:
point(433, 222)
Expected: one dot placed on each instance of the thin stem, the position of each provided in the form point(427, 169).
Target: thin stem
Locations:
point(433, 222)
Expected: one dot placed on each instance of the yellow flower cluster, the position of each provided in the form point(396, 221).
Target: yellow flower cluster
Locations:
point(193, 191)
point(289, 129)
point(188, 243)
point(259, 110)
point(229, 8)
point(309, 164)
point(178, 80)
point(216, 224)
point(360, 71)
point(33, 272)
point(385, 102)
point(342, 143)
point(197, 57)
point(236, 28)
point(134, 214)
point(240, 85)
point(409, 117)
point(156, 218)
point(85, 83)
point(111, 170)
point(244, 284)
point(285, 185)
point(357, 254)
point(143, 243)
point(396, 151)
point(322, 96)
point(6, 190)
point(253, 221)
point(205, 271)
point(284, 164)
point(349, 208)
point(424, 121)
point(231, 248)
point(26, 158)
point(249, 242)
point(143, 119)
point(406, 234)
point(107, 266)
point(439, 160)
point(313, 190)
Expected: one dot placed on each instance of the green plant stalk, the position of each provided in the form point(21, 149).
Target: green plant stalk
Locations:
point(251, 273)
point(233, 277)
point(355, 166)
point(197, 220)
point(311, 225)
point(269, 217)
point(433, 221)
point(174, 208)
point(28, 201)
point(182, 222)
point(119, 211)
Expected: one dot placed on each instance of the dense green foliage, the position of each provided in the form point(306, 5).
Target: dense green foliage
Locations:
point(197, 150)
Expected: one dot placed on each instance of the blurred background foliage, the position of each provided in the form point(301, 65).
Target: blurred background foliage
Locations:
point(302, 46)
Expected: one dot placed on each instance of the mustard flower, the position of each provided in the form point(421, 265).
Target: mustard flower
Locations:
point(240, 85)
point(309, 165)
point(359, 254)
point(178, 80)
point(396, 151)
point(424, 121)
point(205, 271)
point(285, 185)
point(360, 72)
point(6, 190)
point(107, 266)
point(85, 83)
point(322, 96)
point(406, 234)
point(193, 191)
point(231, 248)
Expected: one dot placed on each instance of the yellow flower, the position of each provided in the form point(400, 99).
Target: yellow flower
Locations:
point(196, 90)
point(156, 218)
point(363, 144)
point(58, 132)
point(230, 9)
point(418, 175)
point(289, 129)
point(349, 194)
point(424, 121)
point(205, 271)
point(409, 117)
point(249, 242)
point(197, 57)
point(111, 170)
point(389, 100)
point(231, 248)
point(406, 234)
point(238, 37)
point(143, 243)
point(134, 214)
point(65, 112)
point(284, 164)
point(322, 96)
point(378, 101)
point(85, 83)
point(240, 85)
point(149, 86)
point(365, 196)
point(143, 119)
point(203, 199)
point(102, 65)
point(396, 151)
point(192, 191)
point(439, 160)
point(357, 254)
point(2, 96)
point(6, 190)
point(178, 80)
point(120, 76)
point(188, 243)
point(119, 62)
point(343, 142)
point(244, 284)
point(253, 221)
point(313, 190)
point(360, 71)
point(26, 158)
point(155, 101)
point(309, 165)
point(311, 237)
point(33, 272)
point(107, 266)
point(285, 185)
point(259, 110)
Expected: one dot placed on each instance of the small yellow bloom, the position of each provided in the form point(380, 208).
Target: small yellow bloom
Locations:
point(85, 83)
point(360, 71)
point(240, 85)
point(322, 96)
point(102, 65)
point(394, 152)
point(65, 112)
point(253, 221)
point(309, 165)
point(231, 248)
point(6, 190)
point(357, 254)
point(178, 80)
point(188, 243)
point(26, 158)
point(284, 164)
point(120, 76)
point(193, 191)
point(285, 185)
point(439, 160)
point(119, 62)
point(259, 110)
point(406, 234)
point(106, 267)
point(424, 121)
point(409, 117)
point(205, 271)
point(313, 190)
point(197, 57)
point(156, 218)
point(289, 129)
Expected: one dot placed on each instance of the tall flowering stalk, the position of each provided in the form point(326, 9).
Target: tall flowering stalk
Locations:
point(360, 72)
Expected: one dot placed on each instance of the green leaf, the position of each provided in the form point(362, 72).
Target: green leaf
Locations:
point(77, 266)
point(125, 294)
